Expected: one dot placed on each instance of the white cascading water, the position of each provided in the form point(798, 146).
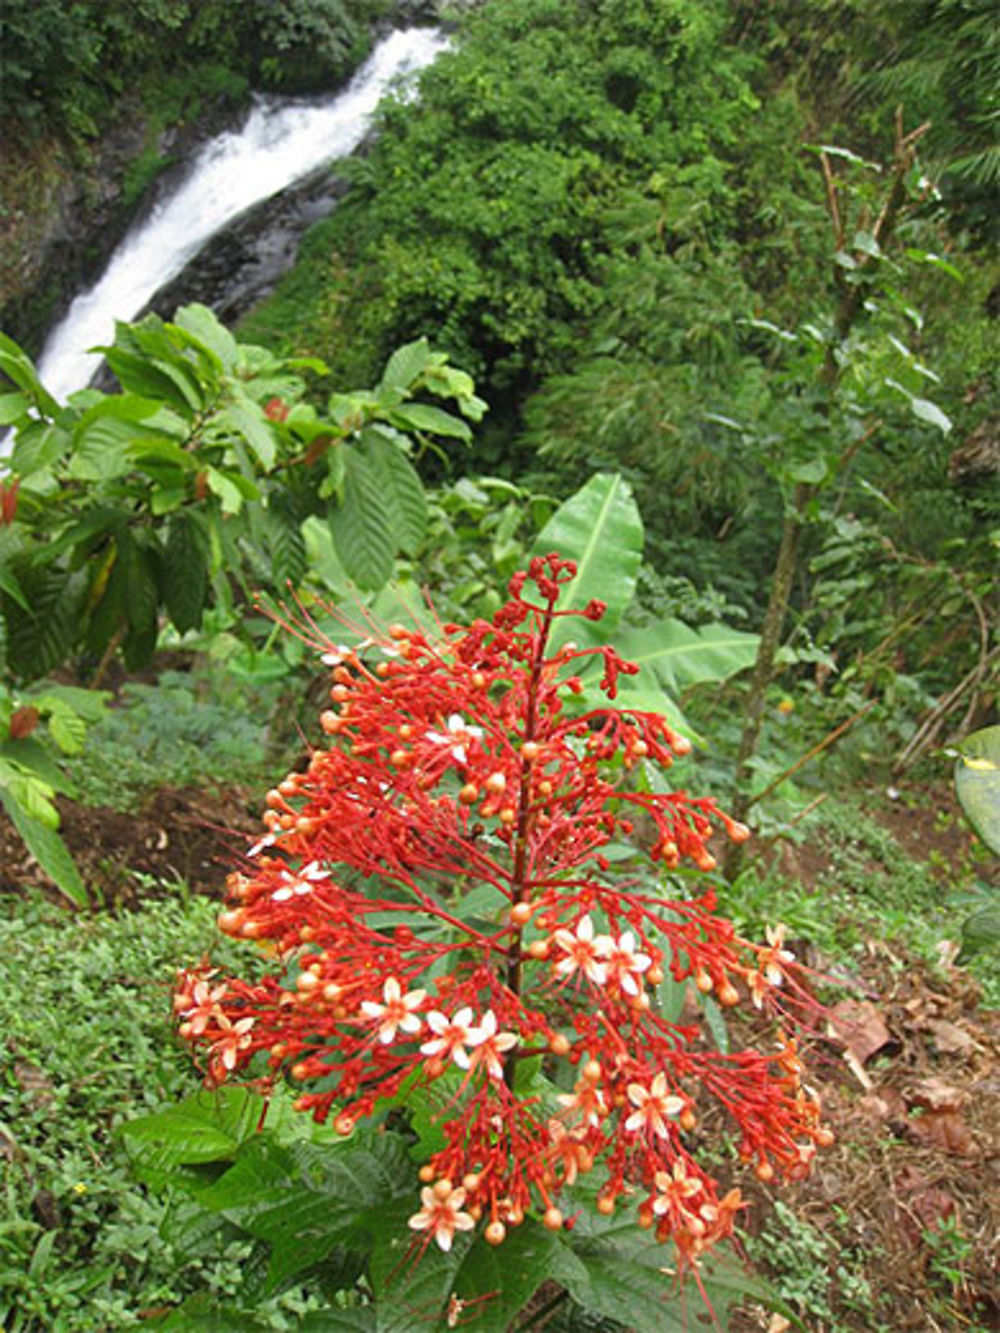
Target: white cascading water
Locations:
point(281, 143)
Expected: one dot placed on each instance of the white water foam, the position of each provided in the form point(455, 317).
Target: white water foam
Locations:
point(281, 143)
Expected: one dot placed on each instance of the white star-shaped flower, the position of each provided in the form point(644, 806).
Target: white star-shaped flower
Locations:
point(299, 883)
point(396, 1012)
point(584, 951)
point(655, 1107)
point(451, 1036)
point(457, 727)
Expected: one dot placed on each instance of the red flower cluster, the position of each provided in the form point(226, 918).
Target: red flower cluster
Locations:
point(438, 887)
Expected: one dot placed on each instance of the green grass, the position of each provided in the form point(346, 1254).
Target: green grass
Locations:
point(872, 890)
point(87, 1043)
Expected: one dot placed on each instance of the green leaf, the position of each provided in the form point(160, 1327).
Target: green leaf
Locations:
point(199, 321)
point(49, 850)
point(977, 783)
point(927, 411)
point(680, 656)
point(31, 756)
point(402, 490)
point(432, 420)
point(496, 1282)
point(38, 446)
point(38, 640)
point(185, 572)
point(68, 729)
point(90, 704)
point(812, 472)
point(136, 373)
point(18, 366)
point(10, 585)
point(361, 524)
point(208, 1127)
point(226, 488)
point(599, 527)
point(248, 421)
point(285, 543)
point(981, 931)
point(406, 365)
point(13, 407)
point(611, 1269)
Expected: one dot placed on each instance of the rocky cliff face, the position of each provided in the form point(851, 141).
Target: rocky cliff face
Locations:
point(63, 212)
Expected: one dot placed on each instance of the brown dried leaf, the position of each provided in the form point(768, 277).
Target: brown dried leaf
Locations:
point(944, 1130)
point(949, 1038)
point(34, 1081)
point(861, 1027)
point(936, 1095)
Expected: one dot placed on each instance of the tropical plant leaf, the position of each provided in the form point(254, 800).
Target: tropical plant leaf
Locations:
point(18, 366)
point(977, 783)
point(38, 640)
point(200, 322)
point(679, 655)
point(599, 527)
point(210, 1126)
point(286, 543)
point(402, 490)
point(185, 572)
point(247, 420)
point(13, 589)
point(406, 364)
point(431, 420)
point(49, 850)
point(361, 524)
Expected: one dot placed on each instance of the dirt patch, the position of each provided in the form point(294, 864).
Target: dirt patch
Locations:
point(177, 834)
point(908, 1198)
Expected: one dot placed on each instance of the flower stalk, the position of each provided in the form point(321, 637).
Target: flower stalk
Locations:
point(438, 890)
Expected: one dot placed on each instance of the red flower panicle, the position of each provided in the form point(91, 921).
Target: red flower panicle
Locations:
point(455, 767)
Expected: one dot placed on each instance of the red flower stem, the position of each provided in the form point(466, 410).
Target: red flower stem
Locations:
point(519, 884)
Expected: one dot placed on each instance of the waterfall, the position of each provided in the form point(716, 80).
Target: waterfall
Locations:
point(282, 141)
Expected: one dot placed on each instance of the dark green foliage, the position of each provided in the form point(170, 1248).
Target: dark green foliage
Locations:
point(189, 489)
point(65, 64)
point(485, 211)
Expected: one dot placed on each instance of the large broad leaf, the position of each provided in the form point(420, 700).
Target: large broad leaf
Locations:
point(599, 527)
point(204, 329)
point(431, 420)
point(977, 783)
point(39, 640)
point(49, 850)
point(18, 366)
point(488, 1286)
point(680, 656)
point(185, 572)
point(208, 1127)
point(286, 544)
point(614, 1270)
point(361, 524)
point(405, 365)
point(401, 488)
point(246, 420)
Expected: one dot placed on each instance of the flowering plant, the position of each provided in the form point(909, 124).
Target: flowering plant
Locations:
point(439, 887)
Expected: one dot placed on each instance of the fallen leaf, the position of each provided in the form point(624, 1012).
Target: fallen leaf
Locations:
point(861, 1027)
point(949, 1038)
point(942, 1129)
point(936, 1095)
point(947, 951)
